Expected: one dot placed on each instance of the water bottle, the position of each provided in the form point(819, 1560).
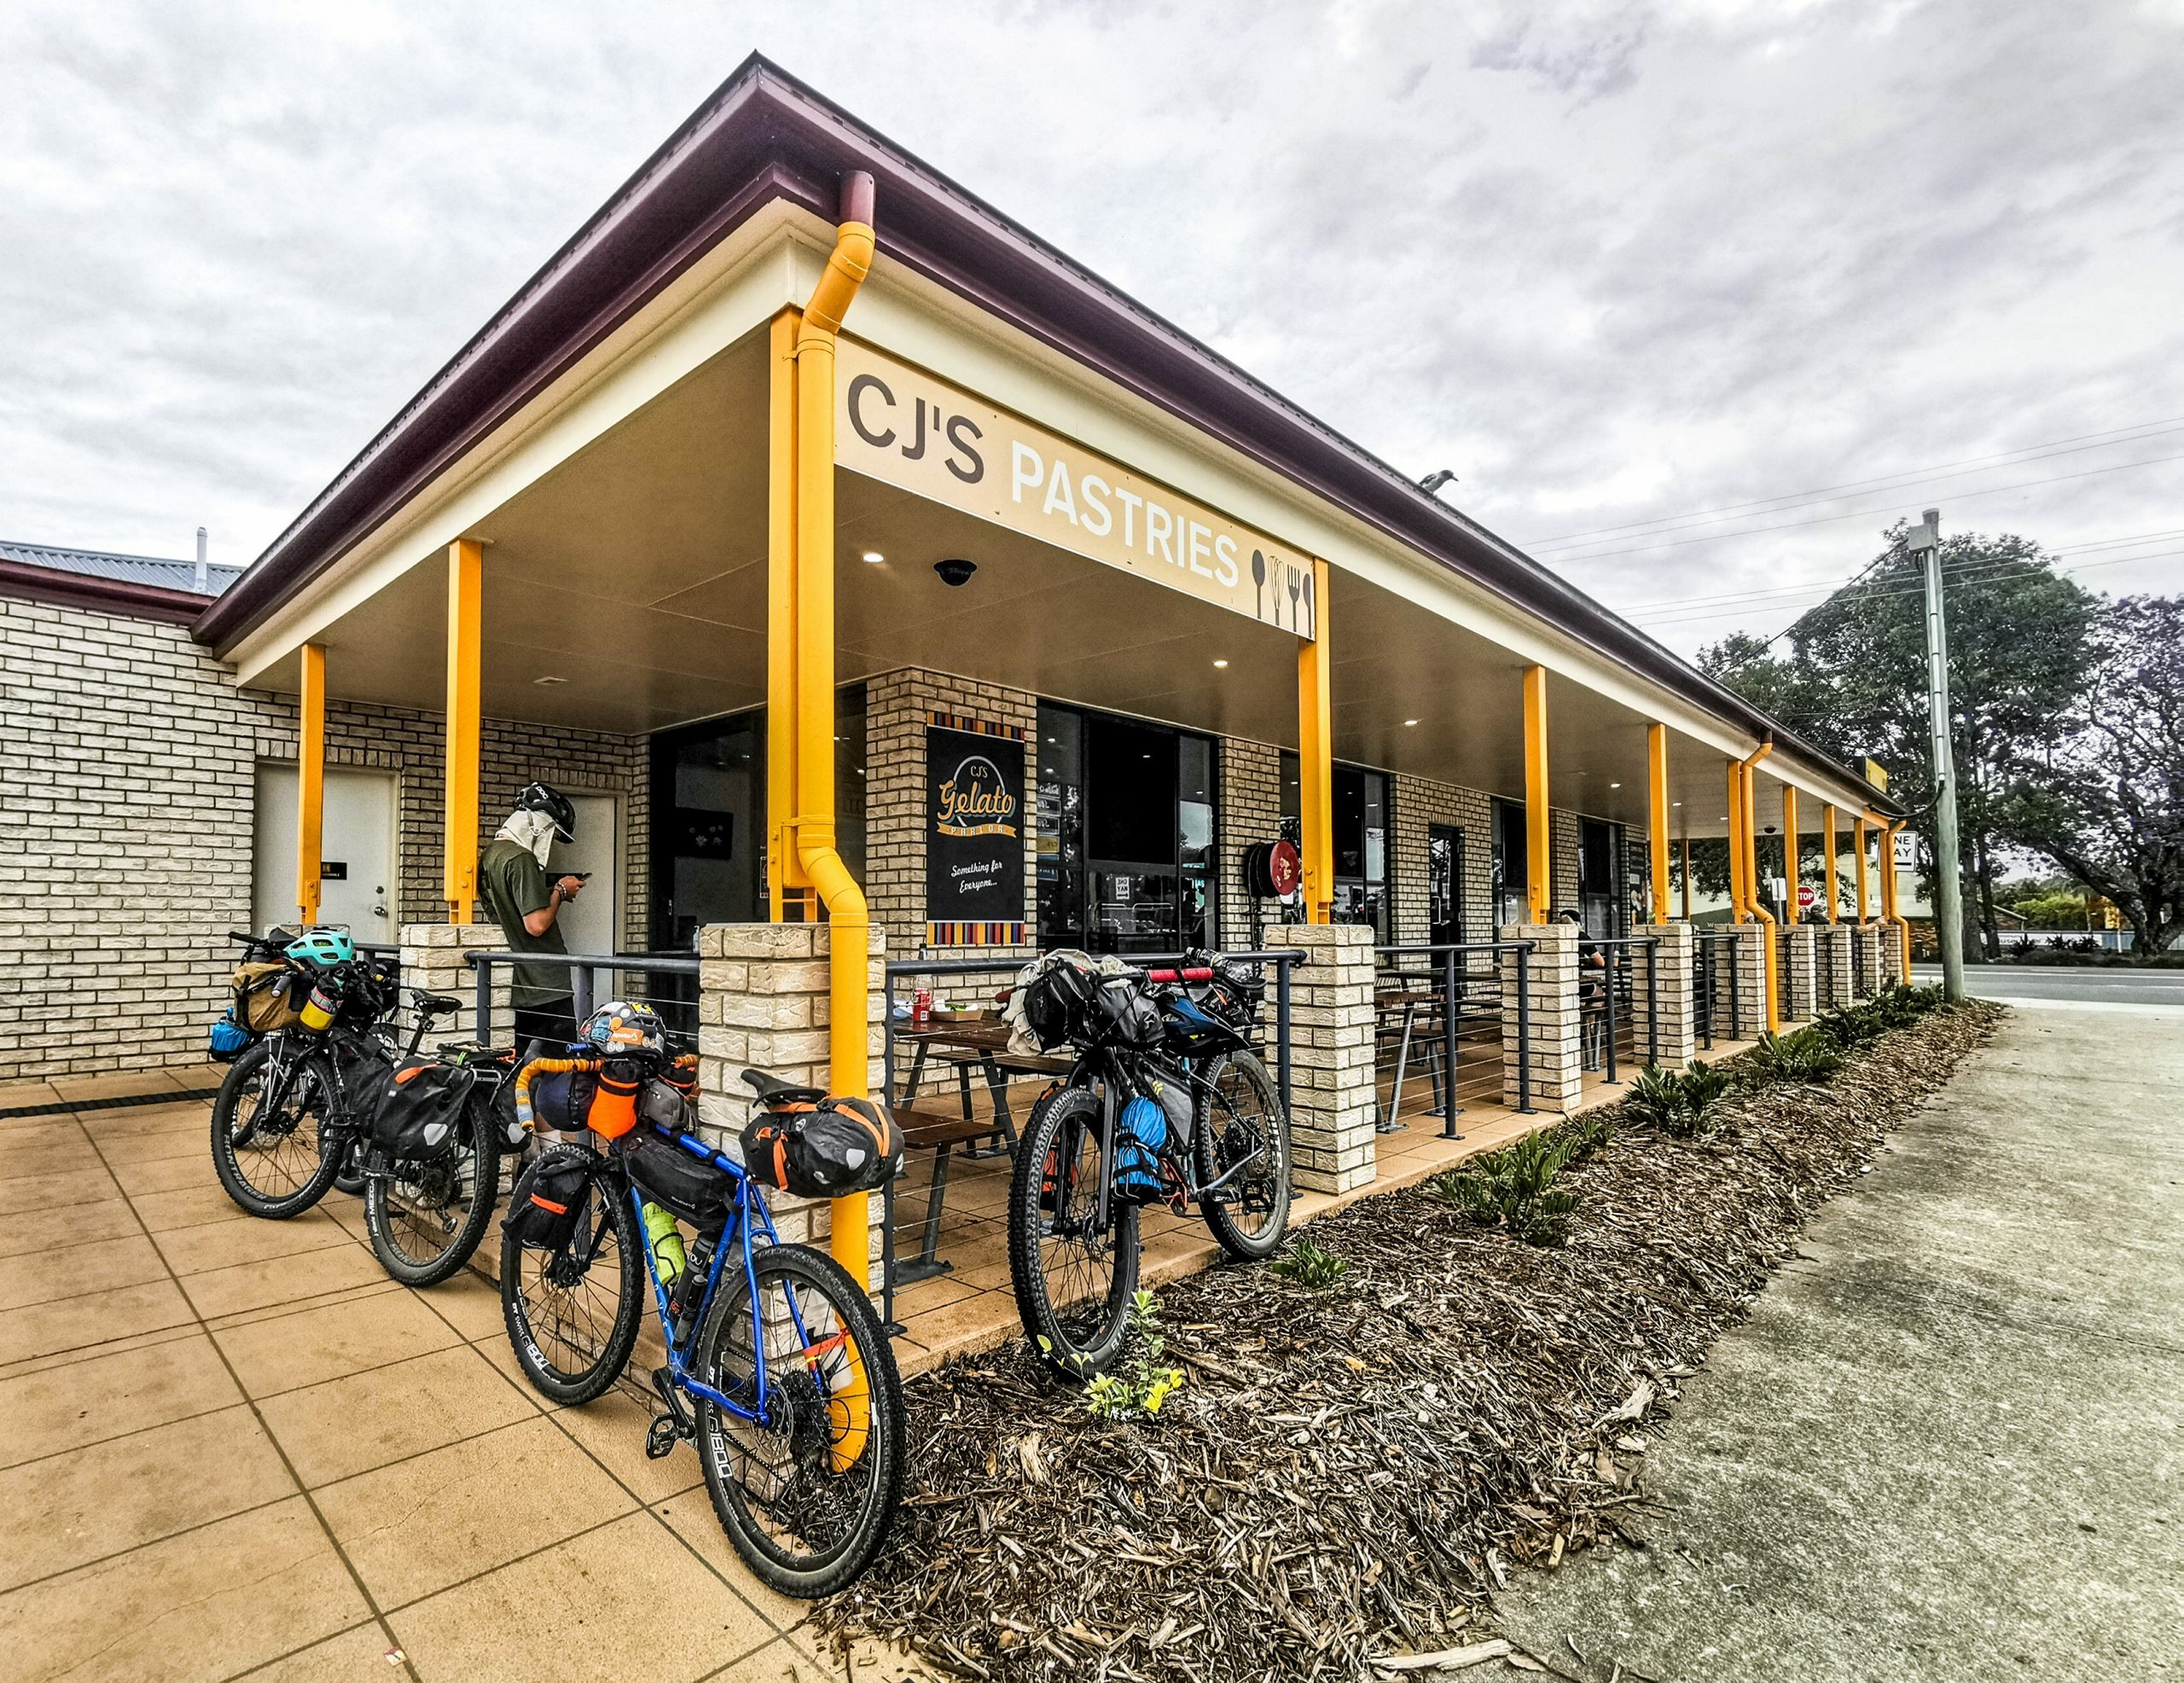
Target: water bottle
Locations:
point(667, 1254)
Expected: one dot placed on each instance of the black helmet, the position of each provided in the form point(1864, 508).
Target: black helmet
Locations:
point(557, 806)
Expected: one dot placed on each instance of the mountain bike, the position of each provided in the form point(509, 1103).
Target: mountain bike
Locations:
point(777, 1367)
point(1167, 1103)
point(296, 1110)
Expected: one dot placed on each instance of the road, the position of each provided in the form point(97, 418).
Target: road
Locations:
point(1947, 1447)
point(2043, 983)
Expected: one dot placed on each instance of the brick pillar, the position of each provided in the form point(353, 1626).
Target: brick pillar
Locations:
point(1865, 943)
point(1676, 1026)
point(431, 959)
point(1798, 972)
point(1554, 1056)
point(1892, 968)
point(1332, 1101)
point(763, 1004)
point(1835, 971)
point(1740, 1011)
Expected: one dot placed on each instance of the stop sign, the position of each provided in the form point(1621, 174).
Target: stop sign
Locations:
point(1807, 894)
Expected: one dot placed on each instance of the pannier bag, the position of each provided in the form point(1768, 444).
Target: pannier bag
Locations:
point(550, 1199)
point(267, 996)
point(230, 1038)
point(1137, 1166)
point(686, 1186)
point(827, 1149)
point(418, 1109)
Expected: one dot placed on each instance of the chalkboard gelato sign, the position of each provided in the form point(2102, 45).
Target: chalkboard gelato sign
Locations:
point(974, 833)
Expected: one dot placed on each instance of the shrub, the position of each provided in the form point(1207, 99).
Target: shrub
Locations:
point(1136, 1389)
point(1703, 1086)
point(1515, 1186)
point(1800, 1057)
point(1677, 1103)
point(1311, 1266)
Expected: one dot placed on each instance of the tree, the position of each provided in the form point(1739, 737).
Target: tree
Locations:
point(1854, 680)
point(2107, 807)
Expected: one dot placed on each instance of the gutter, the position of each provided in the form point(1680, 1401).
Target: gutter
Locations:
point(102, 595)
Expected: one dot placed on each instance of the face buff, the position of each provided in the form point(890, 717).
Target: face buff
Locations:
point(531, 831)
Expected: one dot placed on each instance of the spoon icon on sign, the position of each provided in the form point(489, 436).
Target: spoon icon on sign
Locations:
point(1258, 584)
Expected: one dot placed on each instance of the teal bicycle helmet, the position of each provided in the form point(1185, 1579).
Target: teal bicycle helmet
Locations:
point(321, 948)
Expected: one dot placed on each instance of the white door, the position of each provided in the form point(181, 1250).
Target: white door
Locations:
point(589, 925)
point(357, 885)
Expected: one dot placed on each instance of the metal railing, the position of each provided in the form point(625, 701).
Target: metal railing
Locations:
point(1823, 968)
point(1455, 985)
point(1618, 1000)
point(1706, 990)
point(678, 1005)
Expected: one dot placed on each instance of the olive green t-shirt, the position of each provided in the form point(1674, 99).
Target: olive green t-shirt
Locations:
point(514, 885)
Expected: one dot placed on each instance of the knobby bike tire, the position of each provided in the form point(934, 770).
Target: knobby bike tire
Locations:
point(1077, 1345)
point(482, 1145)
point(1208, 1162)
point(231, 1142)
point(520, 1263)
point(722, 1438)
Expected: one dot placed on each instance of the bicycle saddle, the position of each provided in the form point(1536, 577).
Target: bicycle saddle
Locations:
point(771, 1088)
point(435, 1005)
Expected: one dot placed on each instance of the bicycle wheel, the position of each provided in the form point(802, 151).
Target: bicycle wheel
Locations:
point(572, 1312)
point(271, 1147)
point(807, 1495)
point(1243, 1122)
point(1073, 1279)
point(426, 1219)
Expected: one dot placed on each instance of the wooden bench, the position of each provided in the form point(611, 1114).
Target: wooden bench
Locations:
point(940, 1132)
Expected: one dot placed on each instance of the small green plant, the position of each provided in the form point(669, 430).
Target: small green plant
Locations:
point(1676, 1104)
point(1311, 1266)
point(1704, 1085)
point(1135, 1390)
point(1515, 1186)
point(1793, 1058)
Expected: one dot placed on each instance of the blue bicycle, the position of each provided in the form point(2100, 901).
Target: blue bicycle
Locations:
point(777, 1367)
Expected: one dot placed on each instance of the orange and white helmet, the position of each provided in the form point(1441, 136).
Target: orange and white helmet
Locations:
point(619, 1029)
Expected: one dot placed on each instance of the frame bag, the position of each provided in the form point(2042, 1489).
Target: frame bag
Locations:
point(686, 1186)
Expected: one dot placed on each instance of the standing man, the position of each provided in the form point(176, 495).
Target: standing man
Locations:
point(526, 903)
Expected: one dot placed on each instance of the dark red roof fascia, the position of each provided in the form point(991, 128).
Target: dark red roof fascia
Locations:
point(105, 596)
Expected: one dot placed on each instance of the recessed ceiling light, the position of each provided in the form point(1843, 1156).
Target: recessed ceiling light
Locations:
point(549, 680)
point(1615, 786)
point(1675, 802)
point(1221, 663)
point(874, 557)
point(1410, 721)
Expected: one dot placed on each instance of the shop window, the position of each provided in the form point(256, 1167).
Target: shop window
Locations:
point(1600, 906)
point(1511, 872)
point(1444, 884)
point(1124, 834)
point(1361, 848)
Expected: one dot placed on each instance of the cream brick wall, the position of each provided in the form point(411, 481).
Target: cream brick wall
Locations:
point(1551, 1049)
point(1866, 940)
point(1248, 810)
point(1795, 947)
point(127, 803)
point(1837, 980)
point(1332, 1104)
point(1676, 1022)
point(896, 708)
point(1419, 803)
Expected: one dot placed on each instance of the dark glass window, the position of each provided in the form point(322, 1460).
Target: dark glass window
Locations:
point(1059, 833)
point(1444, 884)
point(1511, 864)
point(1361, 848)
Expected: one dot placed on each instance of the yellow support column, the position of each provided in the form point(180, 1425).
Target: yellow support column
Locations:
point(785, 882)
point(1828, 876)
point(1657, 765)
point(1865, 910)
point(465, 654)
point(1789, 856)
point(1737, 912)
point(310, 780)
point(1747, 805)
point(1539, 863)
point(1316, 757)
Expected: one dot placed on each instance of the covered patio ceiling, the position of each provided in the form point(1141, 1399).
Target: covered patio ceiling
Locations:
point(625, 591)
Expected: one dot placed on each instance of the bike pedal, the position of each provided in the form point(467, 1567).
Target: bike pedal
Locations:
point(661, 1438)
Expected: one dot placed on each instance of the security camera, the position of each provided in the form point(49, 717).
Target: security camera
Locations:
point(954, 569)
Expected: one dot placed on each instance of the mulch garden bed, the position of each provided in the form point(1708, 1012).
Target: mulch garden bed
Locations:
point(1348, 1473)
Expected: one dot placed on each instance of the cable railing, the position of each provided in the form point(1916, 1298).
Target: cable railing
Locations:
point(1713, 952)
point(1443, 1008)
point(669, 987)
point(1609, 1014)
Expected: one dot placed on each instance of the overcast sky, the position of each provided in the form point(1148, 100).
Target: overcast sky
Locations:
point(1617, 266)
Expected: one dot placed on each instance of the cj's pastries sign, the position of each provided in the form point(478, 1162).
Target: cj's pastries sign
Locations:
point(901, 425)
point(974, 833)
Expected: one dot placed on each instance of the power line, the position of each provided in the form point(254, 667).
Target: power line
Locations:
point(1861, 513)
point(2030, 452)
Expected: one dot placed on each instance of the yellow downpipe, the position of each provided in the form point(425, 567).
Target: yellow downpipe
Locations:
point(1891, 906)
point(466, 568)
point(1539, 864)
point(1657, 770)
point(1827, 869)
point(1865, 896)
point(1316, 757)
point(310, 780)
point(1753, 903)
point(1738, 912)
point(785, 878)
point(812, 815)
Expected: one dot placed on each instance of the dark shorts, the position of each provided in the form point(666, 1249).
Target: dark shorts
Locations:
point(553, 1019)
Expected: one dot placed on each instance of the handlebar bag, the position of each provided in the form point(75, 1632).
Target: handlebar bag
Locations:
point(551, 1197)
point(832, 1148)
point(687, 1186)
point(418, 1107)
point(267, 996)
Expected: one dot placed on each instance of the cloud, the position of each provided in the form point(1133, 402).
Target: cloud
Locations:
point(1612, 263)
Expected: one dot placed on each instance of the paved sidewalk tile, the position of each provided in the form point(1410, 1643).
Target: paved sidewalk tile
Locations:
point(44, 1329)
point(33, 1231)
point(104, 1397)
point(309, 1274)
point(286, 1352)
point(191, 1610)
point(345, 1427)
point(98, 1266)
point(580, 1613)
point(83, 1505)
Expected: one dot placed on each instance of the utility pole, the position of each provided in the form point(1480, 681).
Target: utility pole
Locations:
point(1949, 889)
